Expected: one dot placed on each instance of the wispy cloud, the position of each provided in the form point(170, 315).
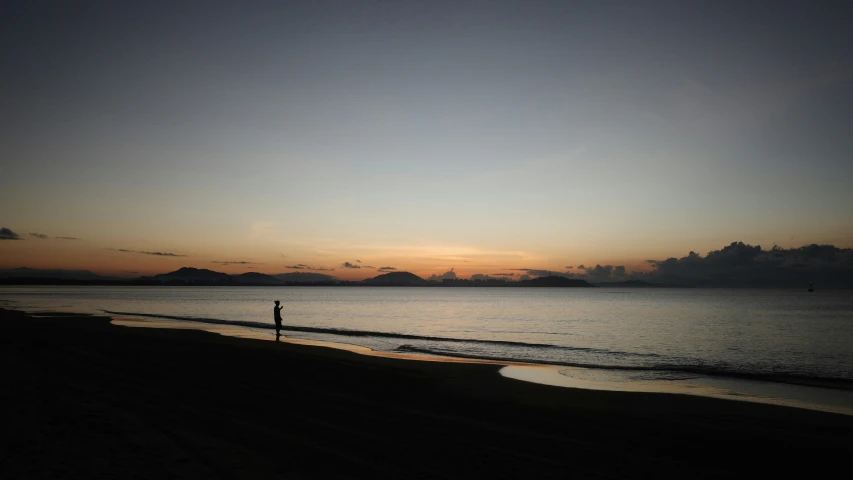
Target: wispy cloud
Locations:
point(43, 236)
point(302, 266)
point(157, 254)
point(236, 262)
point(350, 265)
point(6, 234)
point(386, 269)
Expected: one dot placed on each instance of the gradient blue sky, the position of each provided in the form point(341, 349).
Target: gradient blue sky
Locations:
point(424, 135)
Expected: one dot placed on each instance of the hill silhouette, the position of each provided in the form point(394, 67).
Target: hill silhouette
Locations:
point(201, 276)
point(193, 274)
point(304, 277)
point(554, 281)
point(33, 273)
point(255, 278)
point(396, 279)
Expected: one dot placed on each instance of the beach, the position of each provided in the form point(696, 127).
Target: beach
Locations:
point(84, 397)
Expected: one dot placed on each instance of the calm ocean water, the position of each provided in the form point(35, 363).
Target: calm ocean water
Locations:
point(778, 335)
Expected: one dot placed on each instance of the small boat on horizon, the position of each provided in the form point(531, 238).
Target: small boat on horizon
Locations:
point(811, 288)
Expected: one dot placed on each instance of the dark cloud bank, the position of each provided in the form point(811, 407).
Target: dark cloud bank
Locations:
point(735, 265)
point(740, 264)
point(6, 234)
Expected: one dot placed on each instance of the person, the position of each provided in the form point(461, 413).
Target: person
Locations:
point(277, 317)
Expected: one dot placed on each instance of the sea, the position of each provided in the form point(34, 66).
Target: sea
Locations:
point(790, 347)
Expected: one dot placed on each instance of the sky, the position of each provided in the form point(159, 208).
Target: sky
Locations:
point(425, 136)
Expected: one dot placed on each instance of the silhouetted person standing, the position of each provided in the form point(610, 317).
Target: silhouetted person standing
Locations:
point(277, 317)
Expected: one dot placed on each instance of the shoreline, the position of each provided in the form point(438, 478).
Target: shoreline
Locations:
point(86, 398)
point(804, 396)
point(755, 390)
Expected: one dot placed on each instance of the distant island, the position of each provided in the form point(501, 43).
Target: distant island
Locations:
point(188, 276)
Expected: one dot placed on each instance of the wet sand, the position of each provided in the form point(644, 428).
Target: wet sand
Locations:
point(85, 398)
point(801, 396)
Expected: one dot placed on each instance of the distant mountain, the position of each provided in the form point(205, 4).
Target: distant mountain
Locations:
point(554, 281)
point(255, 278)
point(639, 284)
point(24, 272)
point(196, 276)
point(304, 277)
point(396, 278)
point(189, 274)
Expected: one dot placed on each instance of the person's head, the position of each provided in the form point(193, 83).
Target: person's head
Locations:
point(276, 302)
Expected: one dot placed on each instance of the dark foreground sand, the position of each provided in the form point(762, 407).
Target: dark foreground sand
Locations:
point(83, 398)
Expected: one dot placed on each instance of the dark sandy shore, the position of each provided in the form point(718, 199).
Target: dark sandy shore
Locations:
point(83, 398)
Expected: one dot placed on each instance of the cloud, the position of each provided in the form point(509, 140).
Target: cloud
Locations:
point(524, 277)
point(504, 274)
point(241, 262)
point(6, 234)
point(598, 273)
point(448, 275)
point(605, 273)
point(547, 273)
point(569, 267)
point(484, 276)
point(539, 272)
point(368, 266)
point(302, 266)
point(386, 269)
point(43, 236)
point(350, 265)
point(358, 261)
point(157, 254)
point(743, 264)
